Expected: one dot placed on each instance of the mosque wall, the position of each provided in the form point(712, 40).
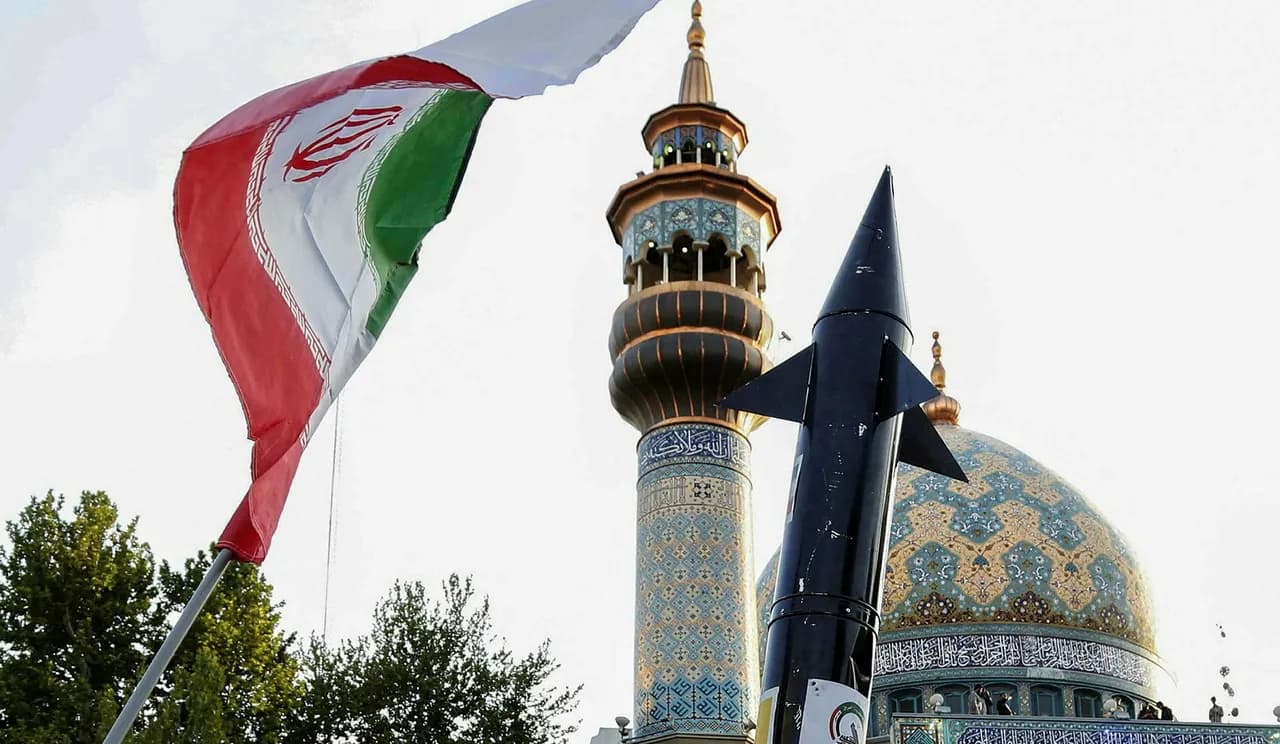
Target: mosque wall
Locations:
point(1005, 730)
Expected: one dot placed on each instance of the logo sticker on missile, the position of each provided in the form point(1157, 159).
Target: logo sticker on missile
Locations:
point(833, 714)
point(764, 720)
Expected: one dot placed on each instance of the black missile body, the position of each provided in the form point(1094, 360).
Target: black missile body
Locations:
point(846, 390)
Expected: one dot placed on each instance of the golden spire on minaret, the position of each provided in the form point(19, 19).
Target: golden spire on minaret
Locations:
point(943, 409)
point(695, 82)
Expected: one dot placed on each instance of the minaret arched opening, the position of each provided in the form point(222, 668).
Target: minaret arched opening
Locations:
point(684, 259)
point(716, 259)
point(646, 270)
point(747, 271)
point(717, 254)
point(689, 151)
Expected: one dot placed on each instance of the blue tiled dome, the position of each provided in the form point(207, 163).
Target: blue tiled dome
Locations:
point(1016, 545)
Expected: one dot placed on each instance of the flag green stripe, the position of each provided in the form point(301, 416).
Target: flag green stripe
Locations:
point(413, 191)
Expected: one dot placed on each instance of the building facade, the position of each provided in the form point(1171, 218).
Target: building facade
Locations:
point(693, 327)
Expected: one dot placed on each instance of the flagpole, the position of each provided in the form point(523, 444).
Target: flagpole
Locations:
point(161, 660)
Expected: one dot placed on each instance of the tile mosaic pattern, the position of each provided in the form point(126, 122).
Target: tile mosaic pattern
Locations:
point(1011, 651)
point(700, 218)
point(697, 667)
point(1017, 544)
point(1006, 730)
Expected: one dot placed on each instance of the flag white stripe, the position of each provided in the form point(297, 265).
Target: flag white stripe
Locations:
point(530, 47)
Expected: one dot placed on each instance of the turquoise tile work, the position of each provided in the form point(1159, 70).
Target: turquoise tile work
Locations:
point(1017, 544)
point(700, 219)
point(909, 729)
point(696, 660)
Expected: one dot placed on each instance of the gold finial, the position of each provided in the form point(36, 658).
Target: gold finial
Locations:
point(697, 34)
point(943, 409)
point(939, 373)
point(695, 82)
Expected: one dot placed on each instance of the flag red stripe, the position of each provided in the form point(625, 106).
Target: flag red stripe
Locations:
point(262, 346)
point(268, 107)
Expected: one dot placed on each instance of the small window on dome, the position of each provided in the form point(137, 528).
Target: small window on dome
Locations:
point(1046, 700)
point(954, 697)
point(1088, 704)
point(1126, 704)
point(997, 690)
point(910, 700)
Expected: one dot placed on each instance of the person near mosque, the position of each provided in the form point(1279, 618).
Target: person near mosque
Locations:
point(1003, 707)
point(1166, 713)
point(1119, 709)
point(1215, 712)
point(979, 701)
point(1148, 713)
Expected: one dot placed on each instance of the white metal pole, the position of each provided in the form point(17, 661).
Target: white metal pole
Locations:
point(161, 660)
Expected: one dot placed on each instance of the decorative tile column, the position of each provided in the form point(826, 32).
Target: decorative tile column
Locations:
point(696, 663)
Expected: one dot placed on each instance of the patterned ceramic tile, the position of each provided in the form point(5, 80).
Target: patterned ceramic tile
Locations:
point(701, 219)
point(1018, 730)
point(1015, 545)
point(696, 663)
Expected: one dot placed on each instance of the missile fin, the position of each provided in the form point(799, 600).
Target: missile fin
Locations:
point(921, 445)
point(902, 386)
point(780, 393)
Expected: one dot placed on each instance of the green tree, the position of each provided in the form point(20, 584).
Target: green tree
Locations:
point(235, 642)
point(327, 710)
point(432, 671)
point(77, 619)
point(192, 712)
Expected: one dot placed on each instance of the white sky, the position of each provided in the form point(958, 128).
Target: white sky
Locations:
point(1087, 197)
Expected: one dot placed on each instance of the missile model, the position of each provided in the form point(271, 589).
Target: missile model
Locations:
point(857, 399)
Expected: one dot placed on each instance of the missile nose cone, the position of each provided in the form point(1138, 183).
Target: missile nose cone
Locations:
point(870, 279)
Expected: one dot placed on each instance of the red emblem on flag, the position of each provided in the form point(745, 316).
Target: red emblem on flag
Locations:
point(338, 141)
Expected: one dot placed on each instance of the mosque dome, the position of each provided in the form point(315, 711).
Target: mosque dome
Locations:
point(1014, 579)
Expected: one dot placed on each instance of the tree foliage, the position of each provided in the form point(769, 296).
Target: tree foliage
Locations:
point(78, 619)
point(433, 671)
point(193, 710)
point(83, 608)
point(239, 630)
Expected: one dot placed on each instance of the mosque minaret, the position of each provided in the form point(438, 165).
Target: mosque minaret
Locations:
point(692, 328)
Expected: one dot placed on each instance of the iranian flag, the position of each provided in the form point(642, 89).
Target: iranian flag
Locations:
point(300, 215)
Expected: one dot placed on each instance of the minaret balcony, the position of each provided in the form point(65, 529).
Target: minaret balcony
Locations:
point(643, 209)
point(680, 347)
